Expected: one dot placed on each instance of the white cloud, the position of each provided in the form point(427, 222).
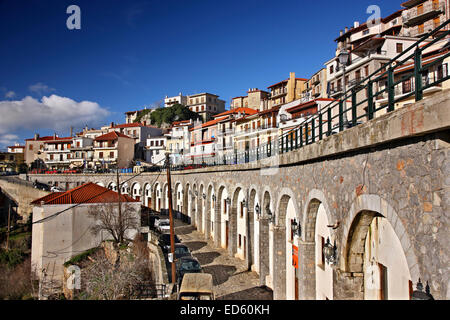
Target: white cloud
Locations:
point(10, 94)
point(40, 88)
point(8, 139)
point(51, 113)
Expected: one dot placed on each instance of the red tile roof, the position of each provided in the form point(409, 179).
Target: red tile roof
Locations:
point(113, 135)
point(209, 123)
point(86, 193)
point(49, 138)
point(237, 110)
point(129, 125)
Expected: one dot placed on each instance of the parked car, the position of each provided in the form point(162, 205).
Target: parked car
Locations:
point(164, 241)
point(41, 186)
point(187, 265)
point(181, 250)
point(163, 225)
point(196, 286)
point(55, 189)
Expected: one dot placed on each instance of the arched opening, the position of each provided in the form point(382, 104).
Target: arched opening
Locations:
point(240, 207)
point(250, 222)
point(265, 243)
point(324, 272)
point(112, 186)
point(187, 203)
point(200, 206)
point(125, 188)
point(148, 195)
point(136, 191)
point(374, 249)
point(101, 184)
point(224, 218)
point(210, 213)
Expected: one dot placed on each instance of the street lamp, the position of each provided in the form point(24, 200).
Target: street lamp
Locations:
point(204, 195)
point(244, 203)
point(228, 201)
point(418, 294)
point(329, 251)
point(343, 60)
point(296, 228)
point(196, 193)
point(257, 210)
point(270, 215)
point(214, 197)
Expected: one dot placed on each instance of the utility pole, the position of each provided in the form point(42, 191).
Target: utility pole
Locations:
point(172, 235)
point(120, 207)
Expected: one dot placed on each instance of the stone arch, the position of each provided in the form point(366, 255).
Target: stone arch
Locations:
point(147, 195)
point(251, 221)
point(125, 189)
point(101, 184)
point(165, 197)
point(158, 197)
point(186, 214)
point(136, 190)
point(286, 210)
point(177, 199)
point(194, 206)
point(112, 186)
point(220, 220)
point(209, 212)
point(307, 249)
point(200, 209)
point(265, 247)
point(233, 220)
point(363, 211)
point(370, 204)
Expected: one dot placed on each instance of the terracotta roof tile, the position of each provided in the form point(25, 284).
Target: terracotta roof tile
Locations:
point(86, 193)
point(113, 135)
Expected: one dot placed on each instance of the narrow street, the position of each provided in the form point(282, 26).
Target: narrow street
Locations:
point(231, 279)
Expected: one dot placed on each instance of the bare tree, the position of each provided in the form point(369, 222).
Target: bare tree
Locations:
point(115, 224)
point(105, 280)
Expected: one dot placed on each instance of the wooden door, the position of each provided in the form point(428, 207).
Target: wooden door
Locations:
point(296, 286)
point(245, 247)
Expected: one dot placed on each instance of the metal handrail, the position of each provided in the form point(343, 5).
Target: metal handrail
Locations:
point(327, 121)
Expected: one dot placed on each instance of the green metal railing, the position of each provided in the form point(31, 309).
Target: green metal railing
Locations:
point(330, 119)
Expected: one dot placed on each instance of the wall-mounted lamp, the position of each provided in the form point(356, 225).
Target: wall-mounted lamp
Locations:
point(329, 251)
point(228, 201)
point(418, 294)
point(244, 203)
point(270, 215)
point(204, 195)
point(214, 197)
point(257, 210)
point(196, 193)
point(296, 228)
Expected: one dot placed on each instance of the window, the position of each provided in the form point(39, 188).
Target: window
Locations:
point(420, 9)
point(30, 147)
point(292, 232)
point(399, 47)
point(331, 69)
point(406, 86)
point(383, 282)
point(366, 32)
point(78, 143)
point(367, 70)
point(242, 210)
point(100, 154)
point(240, 241)
point(421, 28)
point(111, 154)
point(437, 22)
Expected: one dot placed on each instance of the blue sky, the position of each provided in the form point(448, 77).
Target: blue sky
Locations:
point(129, 54)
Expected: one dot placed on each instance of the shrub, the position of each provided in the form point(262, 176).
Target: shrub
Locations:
point(80, 257)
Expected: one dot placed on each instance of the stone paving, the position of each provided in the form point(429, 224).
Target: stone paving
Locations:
point(232, 280)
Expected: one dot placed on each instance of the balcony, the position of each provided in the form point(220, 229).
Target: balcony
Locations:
point(315, 80)
point(416, 16)
point(278, 93)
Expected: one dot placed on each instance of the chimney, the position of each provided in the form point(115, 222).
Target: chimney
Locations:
point(356, 24)
point(346, 29)
point(54, 136)
point(112, 124)
point(36, 136)
point(341, 33)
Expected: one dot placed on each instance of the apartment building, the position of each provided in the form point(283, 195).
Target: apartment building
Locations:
point(156, 146)
point(113, 149)
point(82, 153)
point(370, 47)
point(11, 160)
point(179, 99)
point(203, 141)
point(284, 92)
point(423, 16)
point(226, 128)
point(434, 62)
point(139, 132)
point(206, 105)
point(57, 152)
point(252, 100)
point(316, 86)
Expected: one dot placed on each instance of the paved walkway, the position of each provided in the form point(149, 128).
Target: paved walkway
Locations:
point(231, 279)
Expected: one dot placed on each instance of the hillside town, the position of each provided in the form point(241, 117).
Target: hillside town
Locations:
point(310, 229)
